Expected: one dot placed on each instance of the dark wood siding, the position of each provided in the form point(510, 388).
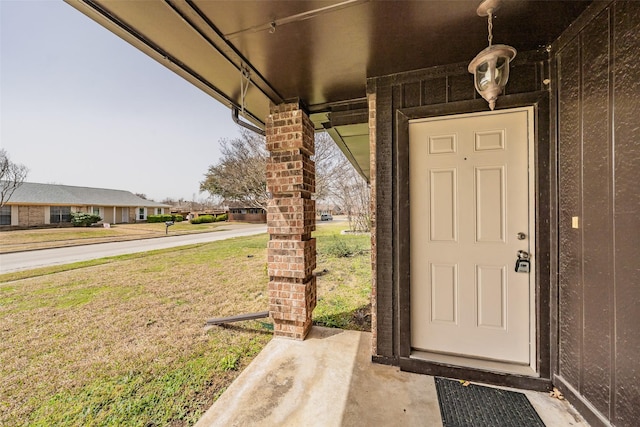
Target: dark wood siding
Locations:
point(626, 206)
point(442, 91)
point(598, 93)
point(384, 225)
point(589, 171)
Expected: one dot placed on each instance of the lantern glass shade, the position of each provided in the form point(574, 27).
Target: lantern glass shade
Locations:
point(491, 71)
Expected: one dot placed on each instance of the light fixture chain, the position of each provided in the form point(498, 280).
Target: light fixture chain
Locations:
point(490, 25)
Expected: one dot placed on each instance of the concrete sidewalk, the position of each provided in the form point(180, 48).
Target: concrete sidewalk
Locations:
point(17, 261)
point(329, 380)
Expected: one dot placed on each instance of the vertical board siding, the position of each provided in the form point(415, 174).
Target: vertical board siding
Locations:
point(411, 94)
point(434, 91)
point(523, 78)
point(599, 159)
point(626, 205)
point(597, 127)
point(570, 292)
point(461, 87)
point(396, 103)
point(384, 224)
point(596, 231)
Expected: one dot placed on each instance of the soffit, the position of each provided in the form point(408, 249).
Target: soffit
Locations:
point(320, 52)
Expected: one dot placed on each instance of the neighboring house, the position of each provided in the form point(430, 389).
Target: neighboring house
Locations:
point(458, 191)
point(35, 204)
point(245, 214)
point(180, 210)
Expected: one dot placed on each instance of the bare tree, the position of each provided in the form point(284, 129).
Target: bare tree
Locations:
point(352, 193)
point(329, 162)
point(12, 175)
point(240, 174)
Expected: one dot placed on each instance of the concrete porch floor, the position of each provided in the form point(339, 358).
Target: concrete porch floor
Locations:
point(329, 380)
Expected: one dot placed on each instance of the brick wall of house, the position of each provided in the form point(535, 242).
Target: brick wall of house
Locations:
point(29, 216)
point(290, 220)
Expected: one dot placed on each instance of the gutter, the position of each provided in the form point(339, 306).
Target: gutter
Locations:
point(252, 128)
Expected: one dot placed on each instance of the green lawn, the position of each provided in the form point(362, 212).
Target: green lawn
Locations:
point(121, 341)
point(21, 240)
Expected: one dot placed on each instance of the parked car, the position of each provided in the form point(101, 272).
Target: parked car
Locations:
point(326, 217)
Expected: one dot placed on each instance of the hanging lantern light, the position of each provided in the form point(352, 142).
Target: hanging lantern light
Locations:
point(490, 67)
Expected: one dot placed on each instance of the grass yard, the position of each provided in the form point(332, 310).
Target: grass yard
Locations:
point(21, 240)
point(343, 279)
point(121, 341)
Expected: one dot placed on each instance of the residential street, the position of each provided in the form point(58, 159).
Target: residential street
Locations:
point(46, 257)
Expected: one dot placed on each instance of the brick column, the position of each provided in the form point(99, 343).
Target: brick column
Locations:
point(290, 220)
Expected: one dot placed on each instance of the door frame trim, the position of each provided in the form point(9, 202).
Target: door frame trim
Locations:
point(543, 243)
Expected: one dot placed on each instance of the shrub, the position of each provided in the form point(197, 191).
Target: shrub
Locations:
point(338, 248)
point(83, 219)
point(159, 218)
point(203, 219)
point(177, 218)
point(222, 217)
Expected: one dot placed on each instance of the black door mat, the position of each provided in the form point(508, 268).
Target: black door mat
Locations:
point(478, 406)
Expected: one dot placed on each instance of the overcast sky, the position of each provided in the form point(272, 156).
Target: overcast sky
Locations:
point(79, 106)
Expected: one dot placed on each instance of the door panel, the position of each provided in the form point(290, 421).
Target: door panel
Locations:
point(443, 212)
point(469, 194)
point(491, 285)
point(444, 293)
point(490, 209)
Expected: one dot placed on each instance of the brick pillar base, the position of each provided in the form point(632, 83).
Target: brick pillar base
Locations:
point(290, 220)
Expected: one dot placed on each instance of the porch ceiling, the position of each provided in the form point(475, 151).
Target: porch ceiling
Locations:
point(321, 52)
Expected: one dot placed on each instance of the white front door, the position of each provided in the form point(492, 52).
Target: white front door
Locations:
point(471, 212)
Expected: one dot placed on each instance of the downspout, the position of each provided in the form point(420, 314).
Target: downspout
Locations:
point(252, 128)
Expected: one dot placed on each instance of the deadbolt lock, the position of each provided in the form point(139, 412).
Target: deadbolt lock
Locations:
point(521, 236)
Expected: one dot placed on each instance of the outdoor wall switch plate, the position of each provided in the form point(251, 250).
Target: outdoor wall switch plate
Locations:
point(575, 222)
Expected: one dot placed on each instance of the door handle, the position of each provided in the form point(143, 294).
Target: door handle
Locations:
point(523, 254)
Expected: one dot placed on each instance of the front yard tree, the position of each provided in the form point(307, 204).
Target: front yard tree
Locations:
point(338, 182)
point(353, 194)
point(12, 175)
point(240, 174)
point(330, 165)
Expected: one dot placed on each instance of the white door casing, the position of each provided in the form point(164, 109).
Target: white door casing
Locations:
point(471, 188)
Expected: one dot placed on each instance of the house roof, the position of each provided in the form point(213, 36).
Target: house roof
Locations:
point(53, 194)
point(321, 52)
